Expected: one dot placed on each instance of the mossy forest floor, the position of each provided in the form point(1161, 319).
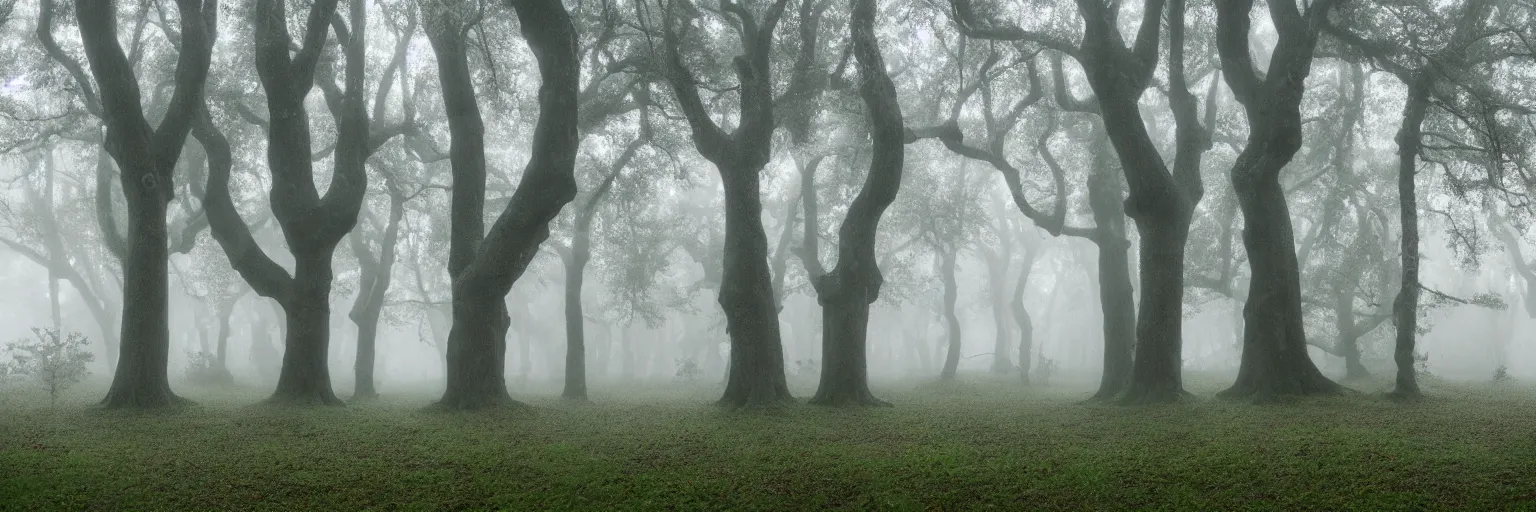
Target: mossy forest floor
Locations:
point(979, 443)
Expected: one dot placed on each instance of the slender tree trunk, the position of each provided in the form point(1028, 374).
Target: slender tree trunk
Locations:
point(1405, 309)
point(364, 386)
point(1348, 342)
point(997, 271)
point(575, 335)
point(951, 293)
point(1021, 317)
point(1116, 295)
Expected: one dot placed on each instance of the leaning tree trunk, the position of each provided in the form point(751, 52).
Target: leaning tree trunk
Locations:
point(1405, 308)
point(951, 292)
point(484, 264)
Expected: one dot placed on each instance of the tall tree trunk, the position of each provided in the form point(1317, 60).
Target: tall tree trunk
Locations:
point(1116, 296)
point(846, 292)
point(951, 292)
point(1025, 323)
point(997, 272)
point(147, 157)
point(1274, 360)
point(746, 295)
point(1406, 308)
point(485, 264)
point(575, 334)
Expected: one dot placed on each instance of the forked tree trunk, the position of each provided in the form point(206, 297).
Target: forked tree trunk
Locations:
point(846, 292)
point(1274, 360)
point(147, 156)
point(484, 264)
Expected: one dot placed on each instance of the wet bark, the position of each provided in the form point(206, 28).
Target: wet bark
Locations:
point(1274, 360)
point(854, 283)
point(485, 268)
point(147, 157)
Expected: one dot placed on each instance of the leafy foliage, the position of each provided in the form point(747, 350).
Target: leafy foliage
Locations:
point(51, 360)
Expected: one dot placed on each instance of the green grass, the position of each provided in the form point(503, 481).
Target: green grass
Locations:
point(974, 444)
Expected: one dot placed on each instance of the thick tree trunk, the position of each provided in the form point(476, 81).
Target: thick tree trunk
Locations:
point(1406, 308)
point(844, 350)
point(756, 371)
point(951, 293)
point(477, 350)
point(306, 377)
point(1157, 374)
point(846, 292)
point(364, 386)
point(142, 376)
point(484, 264)
point(1275, 360)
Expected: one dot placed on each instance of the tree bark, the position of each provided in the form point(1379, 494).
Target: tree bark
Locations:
point(484, 271)
point(1405, 308)
point(147, 157)
point(1021, 316)
point(951, 292)
point(854, 283)
point(756, 367)
point(1116, 299)
point(1274, 360)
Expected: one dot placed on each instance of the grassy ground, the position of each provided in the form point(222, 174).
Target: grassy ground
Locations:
point(968, 445)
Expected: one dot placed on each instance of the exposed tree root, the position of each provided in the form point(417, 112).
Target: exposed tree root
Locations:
point(1153, 396)
point(131, 398)
point(305, 398)
point(848, 398)
point(464, 402)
